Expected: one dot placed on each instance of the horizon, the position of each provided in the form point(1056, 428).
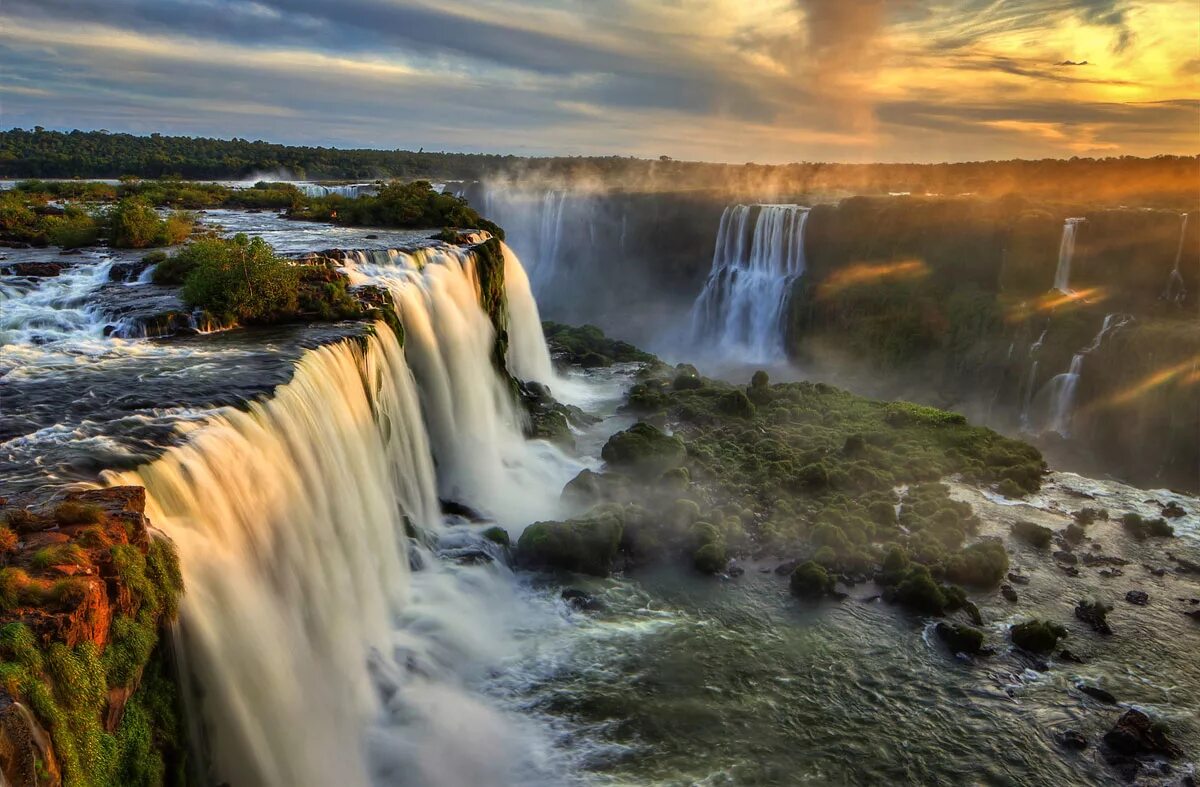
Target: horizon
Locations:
point(703, 80)
point(550, 156)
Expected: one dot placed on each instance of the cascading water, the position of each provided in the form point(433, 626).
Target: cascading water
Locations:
point(473, 422)
point(759, 253)
point(1066, 251)
point(1175, 292)
point(1061, 388)
point(533, 220)
point(318, 658)
point(350, 191)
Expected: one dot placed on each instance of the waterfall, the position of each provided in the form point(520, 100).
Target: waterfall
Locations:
point(1175, 291)
point(534, 223)
point(318, 657)
point(759, 253)
point(473, 422)
point(289, 519)
point(1062, 387)
point(350, 191)
point(1066, 250)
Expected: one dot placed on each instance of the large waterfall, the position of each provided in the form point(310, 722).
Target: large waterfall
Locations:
point(759, 253)
point(317, 658)
point(534, 222)
point(1066, 252)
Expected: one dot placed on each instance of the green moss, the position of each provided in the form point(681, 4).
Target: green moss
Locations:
point(73, 513)
point(643, 448)
point(810, 580)
point(960, 638)
point(1037, 636)
point(1033, 534)
point(983, 564)
point(710, 558)
point(497, 535)
point(69, 554)
point(587, 545)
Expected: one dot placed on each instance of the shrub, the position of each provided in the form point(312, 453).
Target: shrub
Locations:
point(74, 513)
point(177, 227)
point(710, 558)
point(737, 404)
point(1010, 488)
point(239, 279)
point(73, 229)
point(920, 592)
point(1141, 528)
point(982, 564)
point(1033, 534)
point(8, 540)
point(810, 580)
point(69, 554)
point(133, 224)
point(1037, 636)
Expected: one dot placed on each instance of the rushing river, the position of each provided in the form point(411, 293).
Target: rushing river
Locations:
point(331, 649)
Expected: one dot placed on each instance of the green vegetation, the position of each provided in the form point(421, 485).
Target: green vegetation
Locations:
point(134, 224)
point(810, 580)
point(587, 346)
point(1037, 636)
point(74, 513)
point(68, 688)
point(236, 279)
point(960, 638)
point(587, 545)
point(1033, 534)
point(498, 535)
point(1141, 528)
point(97, 154)
point(413, 204)
point(643, 448)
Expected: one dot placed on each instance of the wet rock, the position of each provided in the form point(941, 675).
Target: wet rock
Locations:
point(786, 568)
point(1091, 560)
point(1009, 593)
point(454, 508)
point(1194, 614)
point(1111, 573)
point(27, 757)
point(127, 271)
point(1037, 636)
point(1018, 579)
point(1095, 614)
point(581, 600)
point(1139, 597)
point(1070, 571)
point(1067, 655)
point(1095, 692)
point(1073, 739)
point(1157, 571)
point(1135, 735)
point(1173, 510)
point(36, 270)
point(371, 236)
point(959, 638)
point(1185, 566)
point(1063, 556)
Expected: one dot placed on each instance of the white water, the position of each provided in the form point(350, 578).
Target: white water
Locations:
point(534, 223)
point(1061, 389)
point(759, 253)
point(1066, 251)
point(1175, 291)
point(319, 658)
point(474, 424)
point(350, 191)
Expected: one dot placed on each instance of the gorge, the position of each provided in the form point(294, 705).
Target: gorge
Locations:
point(387, 582)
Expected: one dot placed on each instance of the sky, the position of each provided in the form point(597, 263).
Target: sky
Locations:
point(770, 81)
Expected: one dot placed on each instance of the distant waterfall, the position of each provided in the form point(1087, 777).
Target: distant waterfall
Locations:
point(534, 221)
point(1066, 251)
point(759, 253)
point(350, 191)
point(1175, 291)
point(313, 665)
point(1061, 388)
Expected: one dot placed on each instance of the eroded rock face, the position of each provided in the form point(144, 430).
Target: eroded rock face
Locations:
point(26, 756)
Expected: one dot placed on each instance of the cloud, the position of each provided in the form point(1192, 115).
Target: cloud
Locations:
point(775, 80)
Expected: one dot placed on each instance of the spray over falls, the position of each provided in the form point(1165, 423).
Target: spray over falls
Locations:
point(293, 519)
point(759, 253)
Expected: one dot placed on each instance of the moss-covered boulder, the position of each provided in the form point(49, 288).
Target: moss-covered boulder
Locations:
point(643, 449)
point(810, 580)
point(587, 545)
point(1037, 636)
point(1033, 534)
point(960, 638)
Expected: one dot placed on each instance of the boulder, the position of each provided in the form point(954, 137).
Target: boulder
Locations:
point(1095, 692)
point(1073, 739)
point(1037, 636)
point(960, 638)
point(1139, 597)
point(1095, 614)
point(587, 545)
point(1009, 593)
point(581, 600)
point(643, 449)
point(1135, 735)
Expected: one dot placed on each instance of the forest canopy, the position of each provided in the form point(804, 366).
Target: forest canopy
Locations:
point(39, 153)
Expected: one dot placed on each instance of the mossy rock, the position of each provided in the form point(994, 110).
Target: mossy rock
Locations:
point(643, 449)
point(587, 545)
point(960, 638)
point(810, 580)
point(1033, 534)
point(497, 535)
point(1037, 636)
